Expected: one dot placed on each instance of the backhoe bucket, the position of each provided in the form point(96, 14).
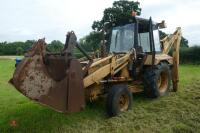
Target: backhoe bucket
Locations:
point(55, 80)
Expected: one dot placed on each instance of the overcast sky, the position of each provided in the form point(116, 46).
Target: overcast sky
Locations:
point(22, 20)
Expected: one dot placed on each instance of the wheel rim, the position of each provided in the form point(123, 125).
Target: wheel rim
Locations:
point(162, 82)
point(123, 102)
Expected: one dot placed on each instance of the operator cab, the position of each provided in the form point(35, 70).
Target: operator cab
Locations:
point(140, 34)
point(122, 39)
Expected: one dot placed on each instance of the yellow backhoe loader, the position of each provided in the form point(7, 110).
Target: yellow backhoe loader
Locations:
point(136, 61)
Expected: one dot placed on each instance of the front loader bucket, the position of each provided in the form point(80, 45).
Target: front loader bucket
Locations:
point(54, 80)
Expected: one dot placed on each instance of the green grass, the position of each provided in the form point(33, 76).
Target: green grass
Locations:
point(177, 112)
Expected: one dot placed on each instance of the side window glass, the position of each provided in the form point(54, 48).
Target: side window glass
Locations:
point(156, 40)
point(144, 41)
point(128, 39)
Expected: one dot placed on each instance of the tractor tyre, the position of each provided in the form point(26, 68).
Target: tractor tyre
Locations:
point(119, 99)
point(157, 81)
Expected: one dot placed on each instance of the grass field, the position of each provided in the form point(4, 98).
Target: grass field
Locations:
point(177, 112)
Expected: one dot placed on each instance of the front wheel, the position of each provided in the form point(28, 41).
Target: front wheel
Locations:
point(119, 100)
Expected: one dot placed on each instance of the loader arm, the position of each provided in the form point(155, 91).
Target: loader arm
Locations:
point(173, 41)
point(111, 65)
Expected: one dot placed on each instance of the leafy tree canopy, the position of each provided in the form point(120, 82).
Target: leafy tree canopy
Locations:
point(55, 46)
point(119, 12)
point(92, 41)
point(19, 48)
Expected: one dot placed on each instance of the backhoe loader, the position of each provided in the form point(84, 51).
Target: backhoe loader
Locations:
point(136, 61)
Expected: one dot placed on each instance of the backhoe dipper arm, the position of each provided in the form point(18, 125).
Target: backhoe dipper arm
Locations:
point(167, 43)
point(170, 40)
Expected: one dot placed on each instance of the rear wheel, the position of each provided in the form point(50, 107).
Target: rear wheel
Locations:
point(157, 81)
point(119, 99)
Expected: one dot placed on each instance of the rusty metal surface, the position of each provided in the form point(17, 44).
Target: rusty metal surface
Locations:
point(75, 95)
point(56, 66)
point(52, 80)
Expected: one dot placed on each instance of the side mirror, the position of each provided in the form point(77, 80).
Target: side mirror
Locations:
point(162, 25)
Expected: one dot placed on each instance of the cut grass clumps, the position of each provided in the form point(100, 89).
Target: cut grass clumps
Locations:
point(174, 113)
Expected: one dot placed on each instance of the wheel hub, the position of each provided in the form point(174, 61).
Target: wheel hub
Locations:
point(162, 82)
point(123, 102)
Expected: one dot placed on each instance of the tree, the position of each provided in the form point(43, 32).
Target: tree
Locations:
point(184, 42)
point(30, 42)
point(162, 34)
point(19, 51)
point(55, 46)
point(119, 12)
point(92, 41)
